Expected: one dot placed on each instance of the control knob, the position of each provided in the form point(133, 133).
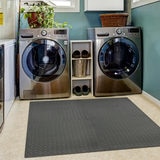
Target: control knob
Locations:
point(119, 31)
point(43, 32)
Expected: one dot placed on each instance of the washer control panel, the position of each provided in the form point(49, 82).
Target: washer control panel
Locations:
point(125, 31)
point(52, 33)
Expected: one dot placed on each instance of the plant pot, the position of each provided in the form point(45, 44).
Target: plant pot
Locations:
point(35, 20)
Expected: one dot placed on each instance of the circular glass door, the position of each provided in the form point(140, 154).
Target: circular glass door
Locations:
point(43, 60)
point(118, 58)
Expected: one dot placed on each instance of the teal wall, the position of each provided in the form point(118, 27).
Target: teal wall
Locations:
point(79, 21)
point(148, 17)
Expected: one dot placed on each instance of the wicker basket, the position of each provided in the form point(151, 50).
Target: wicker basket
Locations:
point(114, 20)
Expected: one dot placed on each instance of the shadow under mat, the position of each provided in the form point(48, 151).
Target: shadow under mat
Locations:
point(80, 126)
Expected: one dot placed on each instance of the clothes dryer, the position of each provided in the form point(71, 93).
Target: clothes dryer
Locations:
point(117, 60)
point(44, 63)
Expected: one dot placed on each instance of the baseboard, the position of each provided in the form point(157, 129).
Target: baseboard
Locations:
point(151, 98)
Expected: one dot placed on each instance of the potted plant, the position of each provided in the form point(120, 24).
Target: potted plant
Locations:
point(39, 16)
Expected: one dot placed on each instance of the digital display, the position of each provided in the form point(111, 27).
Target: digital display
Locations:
point(60, 31)
point(134, 30)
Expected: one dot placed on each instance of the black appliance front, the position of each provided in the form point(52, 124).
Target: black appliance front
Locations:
point(44, 60)
point(1, 86)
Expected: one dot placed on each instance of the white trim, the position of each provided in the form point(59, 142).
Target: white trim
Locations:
point(151, 98)
point(142, 2)
point(75, 7)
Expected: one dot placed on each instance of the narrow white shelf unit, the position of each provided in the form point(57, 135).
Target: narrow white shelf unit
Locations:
point(81, 68)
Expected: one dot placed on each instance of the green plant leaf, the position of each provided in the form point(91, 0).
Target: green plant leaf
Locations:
point(45, 16)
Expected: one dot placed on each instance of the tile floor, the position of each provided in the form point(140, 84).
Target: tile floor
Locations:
point(13, 136)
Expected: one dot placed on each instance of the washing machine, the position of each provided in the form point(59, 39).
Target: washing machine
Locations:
point(117, 60)
point(44, 63)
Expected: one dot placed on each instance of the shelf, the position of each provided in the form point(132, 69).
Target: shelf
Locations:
point(82, 97)
point(81, 58)
point(84, 72)
point(81, 78)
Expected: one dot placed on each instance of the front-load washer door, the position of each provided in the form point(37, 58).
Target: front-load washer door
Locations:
point(118, 58)
point(43, 60)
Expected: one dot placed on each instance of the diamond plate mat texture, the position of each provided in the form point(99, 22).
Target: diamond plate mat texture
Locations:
point(80, 126)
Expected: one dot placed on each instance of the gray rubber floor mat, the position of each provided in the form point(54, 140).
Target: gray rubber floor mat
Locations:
point(79, 126)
